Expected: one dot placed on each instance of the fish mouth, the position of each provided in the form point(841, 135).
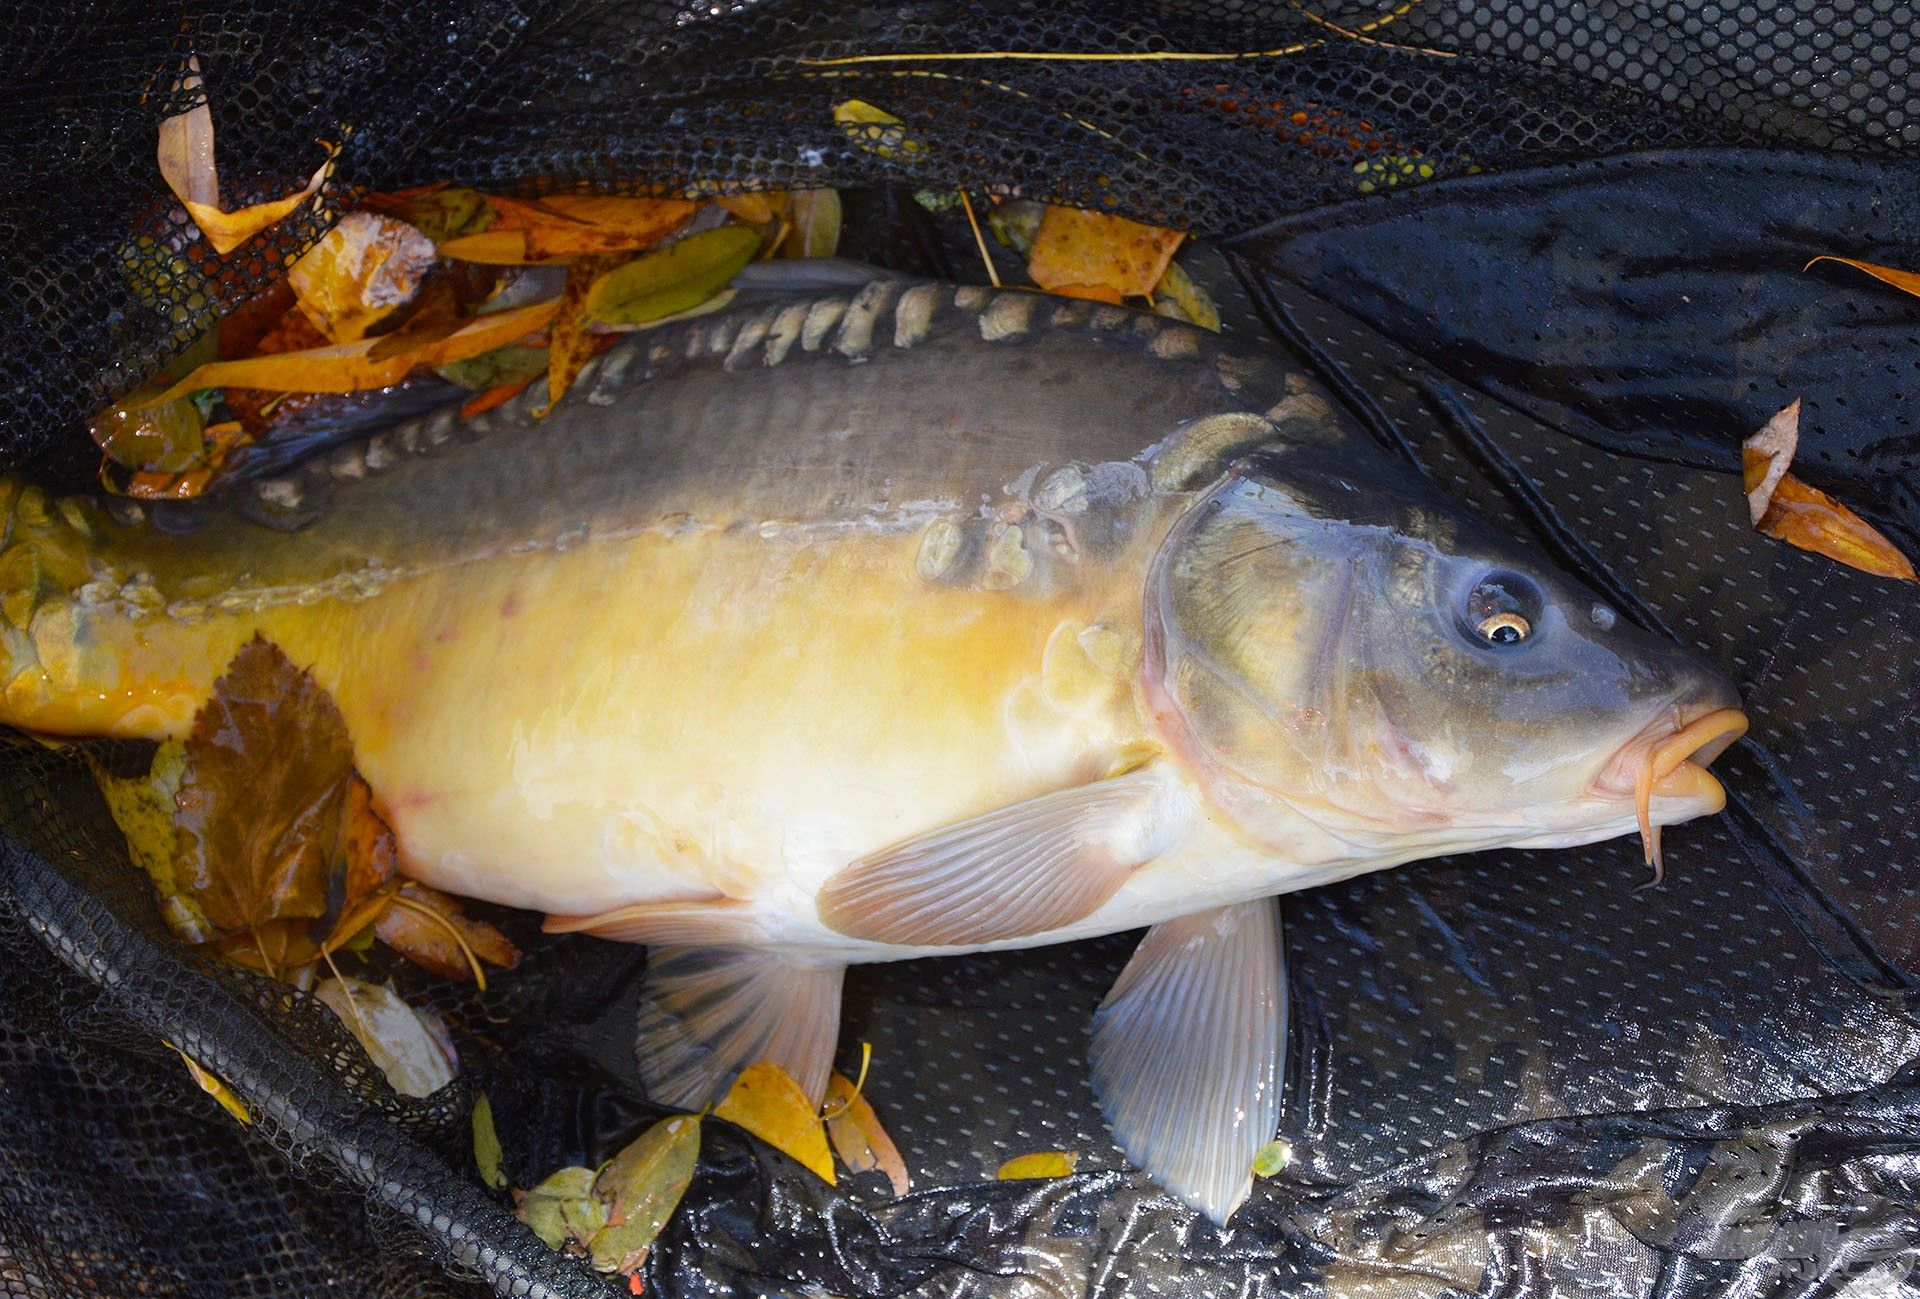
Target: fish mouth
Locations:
point(1674, 766)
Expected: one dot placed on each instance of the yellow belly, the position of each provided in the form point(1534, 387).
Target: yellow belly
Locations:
point(657, 717)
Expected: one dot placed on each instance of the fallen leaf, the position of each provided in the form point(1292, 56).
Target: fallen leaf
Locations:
point(1905, 281)
point(217, 442)
point(1015, 223)
point(643, 1185)
point(1081, 248)
point(488, 1157)
point(498, 395)
point(279, 949)
point(187, 165)
point(435, 313)
point(438, 212)
point(858, 1138)
point(1091, 292)
point(370, 860)
point(1271, 1158)
point(164, 438)
point(755, 209)
point(563, 1208)
point(1045, 1163)
point(1179, 296)
point(359, 273)
point(876, 131)
point(766, 1101)
point(572, 345)
point(566, 226)
point(213, 1087)
point(346, 367)
point(673, 279)
point(395, 1035)
point(489, 370)
point(1803, 516)
point(143, 808)
point(816, 224)
point(431, 930)
point(260, 793)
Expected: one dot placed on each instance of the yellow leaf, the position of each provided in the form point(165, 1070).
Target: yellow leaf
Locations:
point(213, 1087)
point(1905, 281)
point(1179, 296)
point(143, 807)
point(563, 1207)
point(673, 279)
point(567, 226)
point(360, 272)
point(346, 367)
point(186, 163)
point(1784, 507)
point(766, 1101)
point(494, 248)
point(1077, 247)
point(816, 224)
point(487, 1154)
point(858, 1138)
point(1045, 1163)
point(572, 345)
point(754, 209)
point(877, 131)
point(1271, 1158)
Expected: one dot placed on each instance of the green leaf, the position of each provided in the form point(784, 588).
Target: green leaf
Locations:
point(487, 1154)
point(675, 278)
point(491, 369)
point(564, 1207)
point(644, 1183)
point(1272, 1157)
point(143, 807)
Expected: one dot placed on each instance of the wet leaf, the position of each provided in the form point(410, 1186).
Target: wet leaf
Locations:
point(503, 365)
point(1016, 222)
point(359, 273)
point(346, 367)
point(755, 209)
point(816, 224)
point(862, 1144)
point(563, 1208)
point(218, 441)
point(435, 313)
point(1179, 296)
point(1074, 247)
point(673, 279)
point(1045, 1163)
point(566, 226)
point(1905, 281)
point(1091, 292)
point(488, 1157)
point(187, 165)
point(395, 1035)
point(370, 860)
point(1784, 507)
point(766, 1101)
point(279, 949)
point(1272, 1158)
point(498, 395)
point(572, 345)
point(431, 930)
point(213, 1087)
point(166, 437)
point(441, 212)
point(143, 808)
point(643, 1185)
point(876, 131)
point(261, 787)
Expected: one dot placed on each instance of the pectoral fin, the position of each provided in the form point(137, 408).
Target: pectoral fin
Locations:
point(1187, 1050)
point(1018, 870)
point(708, 1013)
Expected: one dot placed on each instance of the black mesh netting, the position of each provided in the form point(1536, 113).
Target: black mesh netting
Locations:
point(1565, 241)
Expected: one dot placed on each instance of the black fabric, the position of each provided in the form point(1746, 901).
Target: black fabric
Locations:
point(1510, 1073)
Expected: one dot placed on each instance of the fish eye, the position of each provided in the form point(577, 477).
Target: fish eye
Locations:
point(1501, 609)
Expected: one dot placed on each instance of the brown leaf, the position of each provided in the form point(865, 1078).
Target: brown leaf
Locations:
point(260, 795)
point(186, 163)
point(371, 860)
point(430, 929)
point(572, 344)
point(1094, 249)
point(858, 1138)
point(1784, 507)
point(360, 272)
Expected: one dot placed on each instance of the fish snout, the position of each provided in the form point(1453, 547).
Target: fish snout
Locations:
point(1668, 760)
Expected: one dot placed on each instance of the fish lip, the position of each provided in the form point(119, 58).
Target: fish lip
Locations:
point(1666, 747)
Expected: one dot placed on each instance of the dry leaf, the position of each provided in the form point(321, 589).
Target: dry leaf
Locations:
point(1086, 249)
point(260, 793)
point(643, 1185)
point(766, 1101)
point(213, 1087)
point(858, 1138)
point(673, 279)
point(359, 273)
point(1805, 517)
point(1045, 1163)
point(396, 1036)
point(1905, 281)
point(186, 163)
point(347, 367)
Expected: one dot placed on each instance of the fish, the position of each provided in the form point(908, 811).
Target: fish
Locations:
point(865, 619)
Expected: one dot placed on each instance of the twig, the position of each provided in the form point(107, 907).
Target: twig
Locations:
point(979, 239)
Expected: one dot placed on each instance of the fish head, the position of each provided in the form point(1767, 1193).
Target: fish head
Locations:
point(1335, 649)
